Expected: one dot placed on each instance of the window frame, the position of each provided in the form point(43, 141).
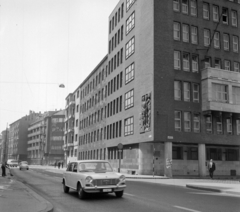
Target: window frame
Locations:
point(130, 23)
point(178, 59)
point(178, 120)
point(177, 90)
point(196, 100)
point(235, 43)
point(206, 12)
point(129, 127)
point(217, 40)
point(196, 123)
point(177, 31)
point(177, 4)
point(193, 7)
point(187, 122)
point(207, 37)
point(194, 35)
point(130, 48)
point(185, 6)
point(186, 91)
point(129, 73)
point(129, 99)
point(185, 33)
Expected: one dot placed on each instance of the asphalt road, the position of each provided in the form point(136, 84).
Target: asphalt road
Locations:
point(139, 196)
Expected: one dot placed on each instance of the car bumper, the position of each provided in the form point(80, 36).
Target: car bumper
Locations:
point(104, 189)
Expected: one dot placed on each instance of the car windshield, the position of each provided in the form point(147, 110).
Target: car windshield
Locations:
point(95, 167)
point(13, 161)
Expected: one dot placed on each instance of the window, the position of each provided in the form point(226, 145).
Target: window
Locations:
point(128, 128)
point(177, 120)
point(209, 124)
point(177, 61)
point(194, 35)
point(129, 99)
point(176, 5)
point(236, 95)
point(226, 42)
point(187, 122)
point(130, 23)
point(238, 126)
point(235, 43)
point(186, 63)
point(196, 123)
point(217, 40)
point(195, 93)
point(206, 37)
point(225, 15)
point(192, 153)
point(214, 153)
point(177, 153)
point(177, 90)
point(193, 7)
point(227, 65)
point(207, 62)
point(236, 66)
point(185, 6)
point(232, 155)
point(130, 48)
point(129, 4)
point(219, 93)
point(186, 91)
point(234, 18)
point(215, 13)
point(206, 11)
point(229, 125)
point(129, 73)
point(217, 63)
point(185, 33)
point(219, 125)
point(176, 31)
point(195, 63)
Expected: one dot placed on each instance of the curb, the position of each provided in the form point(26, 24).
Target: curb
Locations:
point(49, 206)
point(204, 188)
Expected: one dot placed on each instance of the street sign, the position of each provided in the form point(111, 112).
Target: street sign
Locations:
point(120, 146)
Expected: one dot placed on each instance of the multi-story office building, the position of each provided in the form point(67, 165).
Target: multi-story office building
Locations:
point(168, 90)
point(18, 131)
point(0, 148)
point(45, 139)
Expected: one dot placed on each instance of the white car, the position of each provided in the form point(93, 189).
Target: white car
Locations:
point(93, 176)
point(12, 163)
point(23, 165)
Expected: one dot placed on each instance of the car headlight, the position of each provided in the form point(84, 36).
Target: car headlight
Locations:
point(122, 178)
point(88, 180)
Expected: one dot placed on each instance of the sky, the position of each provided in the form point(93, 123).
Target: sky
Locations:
point(45, 43)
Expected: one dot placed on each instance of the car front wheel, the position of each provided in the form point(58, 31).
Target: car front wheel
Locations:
point(65, 188)
point(80, 191)
point(119, 194)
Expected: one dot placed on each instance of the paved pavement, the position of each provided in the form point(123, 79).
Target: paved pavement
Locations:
point(26, 200)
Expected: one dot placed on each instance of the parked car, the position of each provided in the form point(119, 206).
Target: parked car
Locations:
point(12, 163)
point(93, 176)
point(23, 165)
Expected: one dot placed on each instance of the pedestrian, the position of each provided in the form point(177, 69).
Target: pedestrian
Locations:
point(4, 166)
point(62, 164)
point(59, 164)
point(211, 168)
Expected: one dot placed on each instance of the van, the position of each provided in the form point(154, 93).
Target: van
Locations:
point(12, 163)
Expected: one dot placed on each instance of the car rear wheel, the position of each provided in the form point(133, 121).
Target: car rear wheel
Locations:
point(65, 188)
point(119, 194)
point(20, 169)
point(80, 191)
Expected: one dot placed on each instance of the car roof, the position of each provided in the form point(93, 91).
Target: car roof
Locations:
point(86, 161)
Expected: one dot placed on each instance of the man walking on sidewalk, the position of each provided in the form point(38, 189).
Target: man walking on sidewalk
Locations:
point(4, 166)
point(211, 168)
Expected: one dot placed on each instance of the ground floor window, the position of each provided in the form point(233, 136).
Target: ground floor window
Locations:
point(192, 153)
point(214, 153)
point(232, 154)
point(177, 152)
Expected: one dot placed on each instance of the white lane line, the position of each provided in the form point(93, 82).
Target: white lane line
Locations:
point(129, 194)
point(186, 209)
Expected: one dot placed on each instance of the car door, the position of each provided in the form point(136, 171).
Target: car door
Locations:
point(68, 173)
point(73, 176)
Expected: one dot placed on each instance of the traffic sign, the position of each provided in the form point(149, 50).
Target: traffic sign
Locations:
point(120, 146)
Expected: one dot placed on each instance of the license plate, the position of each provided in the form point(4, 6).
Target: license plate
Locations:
point(107, 190)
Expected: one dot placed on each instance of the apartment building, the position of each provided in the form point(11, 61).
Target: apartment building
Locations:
point(4, 145)
point(18, 131)
point(45, 139)
point(168, 89)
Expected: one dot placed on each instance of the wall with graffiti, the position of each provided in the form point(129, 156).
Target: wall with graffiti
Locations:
point(145, 115)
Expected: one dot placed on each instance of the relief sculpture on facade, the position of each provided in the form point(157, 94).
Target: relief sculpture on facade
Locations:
point(145, 115)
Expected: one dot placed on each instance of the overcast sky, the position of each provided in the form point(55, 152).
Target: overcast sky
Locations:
point(44, 43)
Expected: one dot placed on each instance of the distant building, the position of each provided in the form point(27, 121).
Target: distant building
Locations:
point(45, 139)
point(18, 132)
point(4, 146)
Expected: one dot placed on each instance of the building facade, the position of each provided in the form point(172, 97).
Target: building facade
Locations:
point(4, 146)
point(45, 139)
point(168, 90)
point(18, 131)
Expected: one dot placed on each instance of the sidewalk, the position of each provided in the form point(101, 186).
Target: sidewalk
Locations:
point(17, 197)
point(216, 185)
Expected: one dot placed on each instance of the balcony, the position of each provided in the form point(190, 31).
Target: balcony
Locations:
point(70, 145)
point(220, 90)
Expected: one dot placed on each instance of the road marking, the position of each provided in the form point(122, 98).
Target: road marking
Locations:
point(186, 209)
point(129, 194)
